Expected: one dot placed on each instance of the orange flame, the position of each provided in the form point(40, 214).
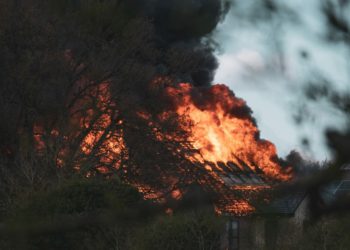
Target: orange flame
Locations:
point(223, 129)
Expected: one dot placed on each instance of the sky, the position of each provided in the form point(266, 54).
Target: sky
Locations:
point(262, 63)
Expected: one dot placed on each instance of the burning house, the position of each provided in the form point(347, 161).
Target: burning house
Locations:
point(223, 154)
point(277, 221)
point(155, 120)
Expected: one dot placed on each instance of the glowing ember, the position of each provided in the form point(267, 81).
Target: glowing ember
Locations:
point(237, 207)
point(220, 127)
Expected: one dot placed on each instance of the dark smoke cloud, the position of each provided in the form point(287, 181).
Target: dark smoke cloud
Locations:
point(182, 24)
point(183, 19)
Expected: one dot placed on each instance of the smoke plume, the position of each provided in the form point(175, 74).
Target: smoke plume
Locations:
point(181, 26)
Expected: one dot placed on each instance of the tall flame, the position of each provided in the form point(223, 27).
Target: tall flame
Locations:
point(223, 129)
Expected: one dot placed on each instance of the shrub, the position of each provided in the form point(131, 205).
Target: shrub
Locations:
point(109, 202)
point(194, 230)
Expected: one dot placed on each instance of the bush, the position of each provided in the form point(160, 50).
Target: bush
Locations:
point(327, 233)
point(110, 215)
point(77, 197)
point(74, 201)
point(193, 230)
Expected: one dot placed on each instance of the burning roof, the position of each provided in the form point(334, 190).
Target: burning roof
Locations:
point(227, 151)
point(124, 108)
point(224, 131)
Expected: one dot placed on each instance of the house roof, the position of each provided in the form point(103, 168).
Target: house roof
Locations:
point(234, 175)
point(338, 189)
point(289, 203)
point(285, 205)
point(342, 187)
point(240, 177)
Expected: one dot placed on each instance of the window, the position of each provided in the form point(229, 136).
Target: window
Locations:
point(232, 228)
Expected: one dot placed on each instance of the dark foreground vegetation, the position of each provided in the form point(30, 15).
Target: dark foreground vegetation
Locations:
point(55, 56)
point(103, 214)
point(53, 195)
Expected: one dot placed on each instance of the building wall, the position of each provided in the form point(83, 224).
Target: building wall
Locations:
point(292, 228)
point(272, 232)
point(250, 234)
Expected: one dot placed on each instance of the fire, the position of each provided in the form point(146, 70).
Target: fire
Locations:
point(220, 128)
point(223, 130)
point(92, 127)
point(237, 207)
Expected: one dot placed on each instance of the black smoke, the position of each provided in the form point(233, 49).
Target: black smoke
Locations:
point(181, 25)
